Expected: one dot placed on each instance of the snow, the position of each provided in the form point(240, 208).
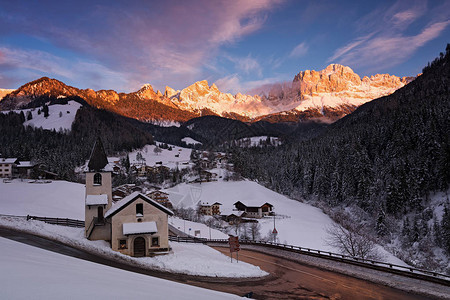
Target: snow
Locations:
point(138, 228)
point(97, 199)
point(33, 273)
point(255, 141)
point(192, 259)
point(190, 141)
point(190, 228)
point(54, 121)
point(297, 223)
point(58, 199)
point(177, 157)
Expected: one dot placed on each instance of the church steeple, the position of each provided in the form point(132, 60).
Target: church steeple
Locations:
point(98, 159)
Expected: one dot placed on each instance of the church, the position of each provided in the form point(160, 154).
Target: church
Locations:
point(136, 225)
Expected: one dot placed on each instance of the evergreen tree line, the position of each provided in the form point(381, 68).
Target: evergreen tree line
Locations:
point(62, 152)
point(385, 157)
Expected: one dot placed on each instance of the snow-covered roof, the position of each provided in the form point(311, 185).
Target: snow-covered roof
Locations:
point(25, 164)
point(8, 160)
point(204, 203)
point(97, 199)
point(230, 211)
point(130, 198)
point(253, 203)
point(139, 228)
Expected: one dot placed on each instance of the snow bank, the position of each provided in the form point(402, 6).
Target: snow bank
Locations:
point(192, 259)
point(33, 273)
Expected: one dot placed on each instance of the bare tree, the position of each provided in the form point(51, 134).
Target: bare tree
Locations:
point(255, 233)
point(352, 240)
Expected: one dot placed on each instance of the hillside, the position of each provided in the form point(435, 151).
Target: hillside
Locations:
point(380, 163)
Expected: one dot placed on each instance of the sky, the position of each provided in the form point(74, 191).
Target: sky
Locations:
point(239, 45)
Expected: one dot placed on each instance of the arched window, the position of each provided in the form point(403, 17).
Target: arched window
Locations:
point(98, 179)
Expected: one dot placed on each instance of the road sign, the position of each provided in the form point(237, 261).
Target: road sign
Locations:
point(233, 241)
point(274, 231)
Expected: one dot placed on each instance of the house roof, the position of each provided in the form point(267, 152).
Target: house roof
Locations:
point(157, 191)
point(209, 204)
point(97, 199)
point(139, 228)
point(253, 203)
point(118, 206)
point(25, 164)
point(98, 160)
point(8, 160)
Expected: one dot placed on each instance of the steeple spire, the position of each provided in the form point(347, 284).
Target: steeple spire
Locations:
point(98, 159)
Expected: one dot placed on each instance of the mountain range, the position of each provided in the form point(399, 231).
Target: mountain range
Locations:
point(327, 94)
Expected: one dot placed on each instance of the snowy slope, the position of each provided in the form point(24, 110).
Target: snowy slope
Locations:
point(166, 157)
point(56, 199)
point(33, 273)
point(190, 141)
point(297, 223)
point(60, 116)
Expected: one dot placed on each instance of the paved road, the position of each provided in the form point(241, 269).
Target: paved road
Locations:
point(288, 280)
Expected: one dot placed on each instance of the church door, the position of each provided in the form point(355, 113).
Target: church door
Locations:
point(139, 247)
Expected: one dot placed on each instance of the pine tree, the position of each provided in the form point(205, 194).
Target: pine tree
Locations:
point(29, 116)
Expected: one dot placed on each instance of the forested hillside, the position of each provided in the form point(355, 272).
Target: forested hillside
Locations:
point(384, 159)
point(61, 152)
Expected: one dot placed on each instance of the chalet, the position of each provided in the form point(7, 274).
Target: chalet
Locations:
point(209, 209)
point(24, 169)
point(136, 225)
point(160, 197)
point(254, 210)
point(7, 165)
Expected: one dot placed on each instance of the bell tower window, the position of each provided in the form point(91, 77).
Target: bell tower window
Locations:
point(97, 179)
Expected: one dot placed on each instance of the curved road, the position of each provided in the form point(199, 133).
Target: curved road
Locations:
point(288, 279)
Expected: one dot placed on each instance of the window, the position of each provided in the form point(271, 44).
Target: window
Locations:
point(122, 244)
point(155, 241)
point(139, 209)
point(97, 179)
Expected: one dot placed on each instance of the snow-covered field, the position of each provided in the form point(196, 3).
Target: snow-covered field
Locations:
point(298, 223)
point(56, 199)
point(191, 228)
point(178, 156)
point(33, 273)
point(60, 116)
point(190, 141)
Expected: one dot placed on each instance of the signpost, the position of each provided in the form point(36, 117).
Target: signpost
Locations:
point(233, 241)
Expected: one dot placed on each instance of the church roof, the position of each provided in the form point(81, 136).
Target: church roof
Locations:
point(97, 199)
point(118, 206)
point(98, 160)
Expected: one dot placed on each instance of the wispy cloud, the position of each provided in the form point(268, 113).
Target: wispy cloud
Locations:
point(300, 50)
point(39, 63)
point(158, 42)
point(388, 44)
point(234, 84)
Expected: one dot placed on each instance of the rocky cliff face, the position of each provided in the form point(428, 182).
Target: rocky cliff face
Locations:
point(330, 93)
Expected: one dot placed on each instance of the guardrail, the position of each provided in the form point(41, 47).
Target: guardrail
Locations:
point(373, 264)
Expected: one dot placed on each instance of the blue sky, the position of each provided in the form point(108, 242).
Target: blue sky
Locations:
point(239, 45)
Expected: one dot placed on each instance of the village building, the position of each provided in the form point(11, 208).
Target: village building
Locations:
point(209, 209)
point(7, 165)
point(136, 225)
point(254, 210)
point(160, 197)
